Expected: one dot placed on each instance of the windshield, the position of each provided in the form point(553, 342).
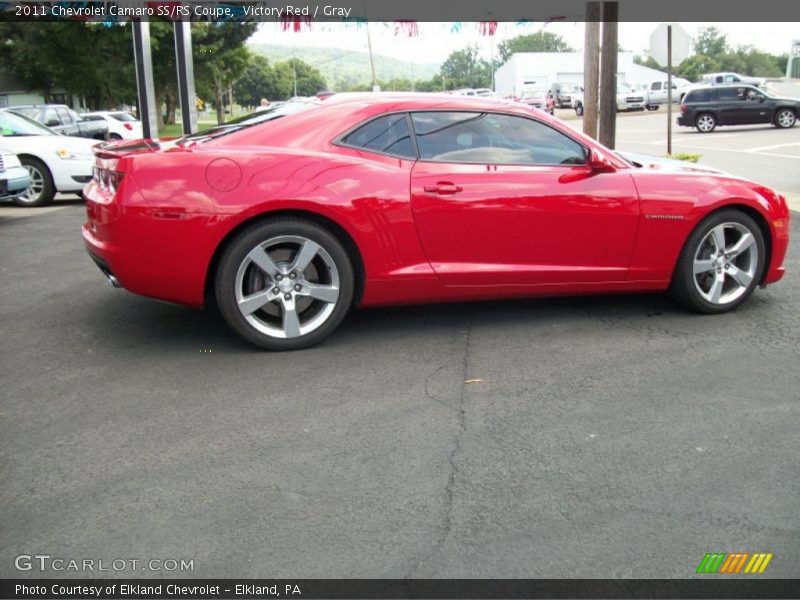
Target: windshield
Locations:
point(257, 118)
point(623, 88)
point(13, 124)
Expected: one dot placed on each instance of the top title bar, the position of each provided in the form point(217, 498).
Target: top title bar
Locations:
point(408, 10)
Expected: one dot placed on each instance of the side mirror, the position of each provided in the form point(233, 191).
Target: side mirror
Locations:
point(598, 163)
point(760, 98)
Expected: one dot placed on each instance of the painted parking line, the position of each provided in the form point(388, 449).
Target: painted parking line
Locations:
point(773, 147)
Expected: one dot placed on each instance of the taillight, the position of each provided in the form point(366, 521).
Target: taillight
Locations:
point(105, 174)
point(683, 108)
point(128, 126)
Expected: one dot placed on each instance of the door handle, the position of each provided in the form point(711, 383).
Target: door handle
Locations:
point(443, 188)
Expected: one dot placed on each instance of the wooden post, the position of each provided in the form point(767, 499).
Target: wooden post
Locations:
point(591, 68)
point(143, 63)
point(185, 66)
point(669, 90)
point(608, 75)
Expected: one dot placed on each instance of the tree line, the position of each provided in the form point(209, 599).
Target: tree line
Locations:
point(713, 54)
point(95, 62)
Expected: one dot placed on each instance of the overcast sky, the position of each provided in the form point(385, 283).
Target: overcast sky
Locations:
point(436, 40)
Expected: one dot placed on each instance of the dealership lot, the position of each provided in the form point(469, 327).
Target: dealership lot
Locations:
point(584, 437)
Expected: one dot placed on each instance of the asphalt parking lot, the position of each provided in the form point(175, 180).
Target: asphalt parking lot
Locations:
point(617, 436)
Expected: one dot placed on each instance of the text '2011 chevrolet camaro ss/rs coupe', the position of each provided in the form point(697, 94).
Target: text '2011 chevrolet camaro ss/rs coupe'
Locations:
point(287, 218)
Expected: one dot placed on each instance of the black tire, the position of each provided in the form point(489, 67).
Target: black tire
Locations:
point(579, 110)
point(785, 118)
point(705, 117)
point(683, 287)
point(48, 190)
point(234, 255)
point(114, 137)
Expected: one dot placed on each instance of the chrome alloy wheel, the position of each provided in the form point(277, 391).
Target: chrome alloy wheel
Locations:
point(33, 193)
point(786, 118)
point(725, 263)
point(287, 286)
point(705, 123)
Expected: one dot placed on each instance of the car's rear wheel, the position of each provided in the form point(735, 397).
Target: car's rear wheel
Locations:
point(785, 118)
point(42, 190)
point(114, 136)
point(705, 122)
point(721, 263)
point(579, 110)
point(284, 284)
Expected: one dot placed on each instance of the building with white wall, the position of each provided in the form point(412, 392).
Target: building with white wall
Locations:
point(547, 68)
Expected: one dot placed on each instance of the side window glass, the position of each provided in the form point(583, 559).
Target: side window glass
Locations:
point(385, 135)
point(466, 137)
point(656, 86)
point(66, 118)
point(728, 95)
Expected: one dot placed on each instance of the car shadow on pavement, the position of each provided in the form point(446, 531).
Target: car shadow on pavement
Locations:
point(129, 322)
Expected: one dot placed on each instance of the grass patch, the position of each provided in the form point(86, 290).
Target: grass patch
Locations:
point(687, 156)
point(176, 129)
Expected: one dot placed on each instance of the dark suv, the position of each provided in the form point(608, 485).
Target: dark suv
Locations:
point(64, 120)
point(707, 107)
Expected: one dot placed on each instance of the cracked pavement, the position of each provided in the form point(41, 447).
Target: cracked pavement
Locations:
point(617, 436)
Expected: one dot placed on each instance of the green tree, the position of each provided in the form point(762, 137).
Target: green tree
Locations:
point(694, 66)
point(49, 56)
point(309, 80)
point(711, 43)
point(220, 59)
point(463, 68)
point(647, 62)
point(254, 82)
point(541, 41)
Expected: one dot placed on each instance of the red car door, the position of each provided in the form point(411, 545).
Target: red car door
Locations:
point(500, 199)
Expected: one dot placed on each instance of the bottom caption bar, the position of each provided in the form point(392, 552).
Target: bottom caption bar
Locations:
point(201, 589)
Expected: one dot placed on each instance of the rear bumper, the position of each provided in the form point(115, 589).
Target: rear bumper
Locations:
point(684, 121)
point(151, 252)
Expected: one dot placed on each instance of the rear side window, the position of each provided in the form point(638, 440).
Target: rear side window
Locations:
point(700, 96)
point(385, 135)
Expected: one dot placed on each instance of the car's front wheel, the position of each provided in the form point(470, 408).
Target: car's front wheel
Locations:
point(705, 122)
point(721, 263)
point(785, 118)
point(42, 190)
point(284, 284)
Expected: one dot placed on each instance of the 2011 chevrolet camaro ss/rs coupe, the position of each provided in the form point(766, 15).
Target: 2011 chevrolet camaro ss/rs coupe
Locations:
point(287, 218)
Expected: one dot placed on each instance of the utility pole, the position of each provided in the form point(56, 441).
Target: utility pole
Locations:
point(608, 75)
point(143, 63)
point(375, 87)
point(183, 61)
point(669, 90)
point(591, 68)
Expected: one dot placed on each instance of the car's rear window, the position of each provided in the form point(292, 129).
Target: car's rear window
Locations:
point(122, 116)
point(707, 95)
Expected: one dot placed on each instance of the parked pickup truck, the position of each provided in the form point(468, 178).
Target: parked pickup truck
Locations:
point(729, 78)
point(64, 120)
point(627, 99)
point(657, 92)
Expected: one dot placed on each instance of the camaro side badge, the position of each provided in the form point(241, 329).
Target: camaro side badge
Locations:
point(665, 217)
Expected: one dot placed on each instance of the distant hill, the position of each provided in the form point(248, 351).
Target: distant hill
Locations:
point(345, 68)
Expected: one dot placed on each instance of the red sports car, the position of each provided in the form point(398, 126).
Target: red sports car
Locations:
point(292, 215)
